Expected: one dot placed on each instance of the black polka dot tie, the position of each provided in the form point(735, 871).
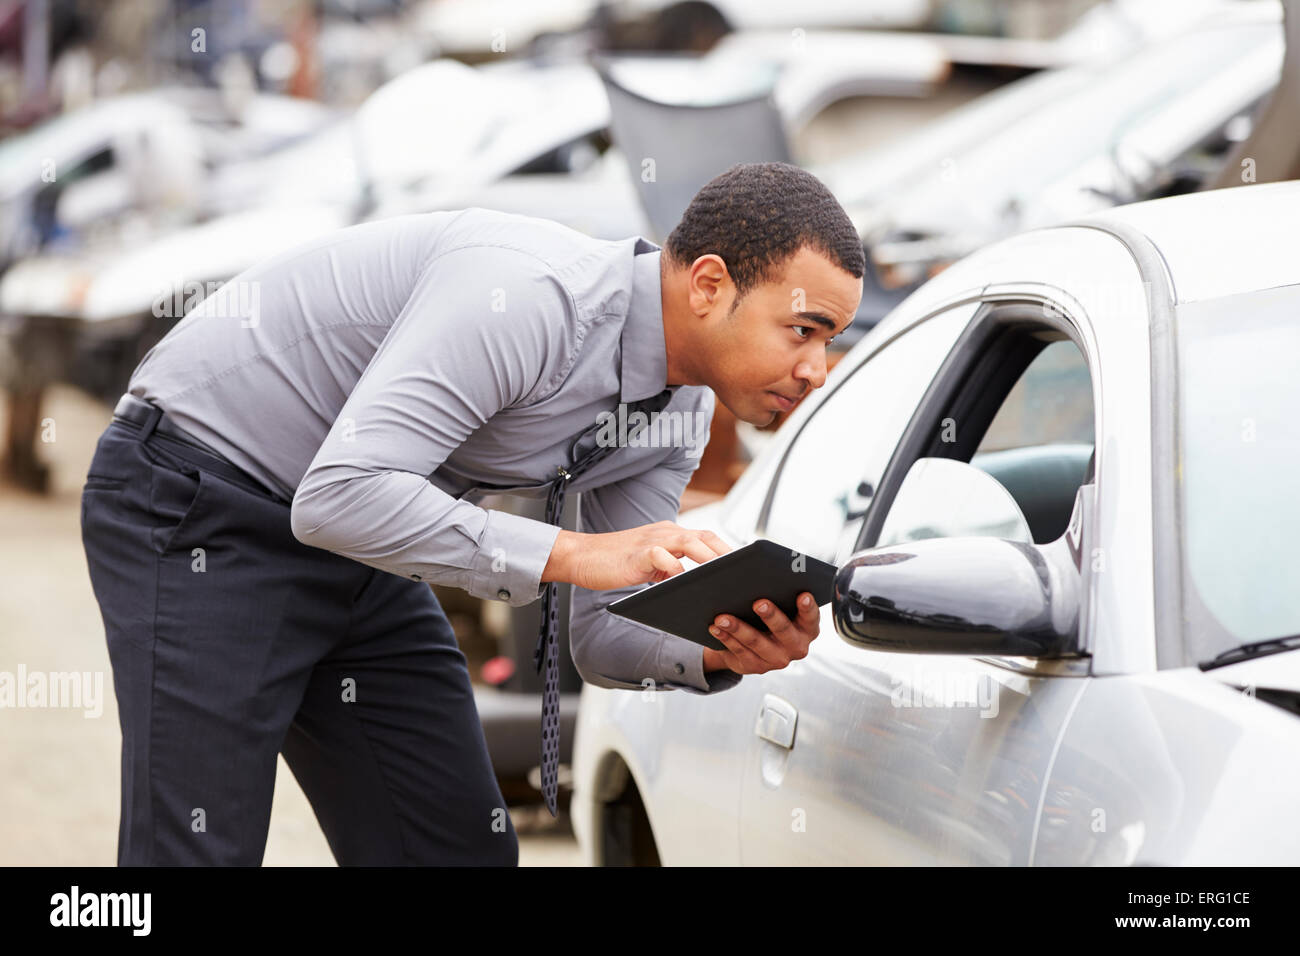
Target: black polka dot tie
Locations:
point(546, 652)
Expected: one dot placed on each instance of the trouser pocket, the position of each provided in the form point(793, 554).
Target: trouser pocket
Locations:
point(178, 500)
point(117, 527)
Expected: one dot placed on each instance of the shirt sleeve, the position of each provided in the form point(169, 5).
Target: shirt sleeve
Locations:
point(611, 651)
point(482, 330)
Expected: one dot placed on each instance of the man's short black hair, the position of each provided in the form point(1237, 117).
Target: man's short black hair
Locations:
point(755, 216)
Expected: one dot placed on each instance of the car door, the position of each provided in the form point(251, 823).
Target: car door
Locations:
point(819, 496)
point(862, 756)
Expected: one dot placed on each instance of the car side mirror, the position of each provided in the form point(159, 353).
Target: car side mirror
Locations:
point(976, 596)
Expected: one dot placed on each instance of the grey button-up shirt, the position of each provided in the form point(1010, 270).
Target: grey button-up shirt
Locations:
point(388, 376)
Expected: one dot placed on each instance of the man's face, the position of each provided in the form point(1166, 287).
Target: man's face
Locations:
point(772, 344)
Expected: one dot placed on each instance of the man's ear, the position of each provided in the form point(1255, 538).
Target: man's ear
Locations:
point(708, 284)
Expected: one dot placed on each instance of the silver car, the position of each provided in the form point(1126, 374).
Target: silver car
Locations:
point(1057, 482)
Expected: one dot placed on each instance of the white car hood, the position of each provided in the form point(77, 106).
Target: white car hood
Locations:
point(103, 284)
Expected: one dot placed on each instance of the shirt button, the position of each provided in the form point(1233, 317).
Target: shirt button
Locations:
point(503, 594)
point(679, 668)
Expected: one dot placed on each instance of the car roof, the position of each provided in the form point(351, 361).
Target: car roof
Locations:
point(1219, 242)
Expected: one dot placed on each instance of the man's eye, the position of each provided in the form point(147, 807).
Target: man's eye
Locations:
point(802, 328)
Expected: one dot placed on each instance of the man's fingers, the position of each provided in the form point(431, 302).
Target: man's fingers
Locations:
point(696, 545)
point(713, 541)
point(737, 656)
point(781, 627)
point(810, 616)
point(664, 563)
point(695, 549)
point(759, 644)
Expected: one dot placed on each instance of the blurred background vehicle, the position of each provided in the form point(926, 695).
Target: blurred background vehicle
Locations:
point(1157, 122)
point(148, 155)
point(116, 172)
point(93, 308)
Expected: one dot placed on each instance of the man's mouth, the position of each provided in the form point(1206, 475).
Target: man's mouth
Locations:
point(784, 402)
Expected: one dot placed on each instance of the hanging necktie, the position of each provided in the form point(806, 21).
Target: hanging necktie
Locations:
point(546, 651)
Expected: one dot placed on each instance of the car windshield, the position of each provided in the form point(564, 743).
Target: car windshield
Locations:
point(23, 157)
point(1238, 457)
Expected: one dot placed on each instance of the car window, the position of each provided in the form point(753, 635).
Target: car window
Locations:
point(836, 461)
point(574, 156)
point(1040, 442)
point(46, 201)
point(1037, 444)
point(1051, 402)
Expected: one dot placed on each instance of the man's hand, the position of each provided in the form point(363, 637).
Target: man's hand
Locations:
point(644, 555)
point(750, 651)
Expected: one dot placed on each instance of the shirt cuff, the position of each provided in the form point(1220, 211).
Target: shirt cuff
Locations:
point(686, 659)
point(511, 557)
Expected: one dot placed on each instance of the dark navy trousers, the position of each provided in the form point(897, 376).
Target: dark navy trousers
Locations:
point(232, 642)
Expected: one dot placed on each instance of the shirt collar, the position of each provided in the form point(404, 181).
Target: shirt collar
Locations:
point(644, 371)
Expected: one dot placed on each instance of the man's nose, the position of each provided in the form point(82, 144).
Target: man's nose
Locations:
point(812, 372)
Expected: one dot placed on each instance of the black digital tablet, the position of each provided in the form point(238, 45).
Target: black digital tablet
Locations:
point(731, 583)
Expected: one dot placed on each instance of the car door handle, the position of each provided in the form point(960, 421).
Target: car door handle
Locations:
point(776, 720)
